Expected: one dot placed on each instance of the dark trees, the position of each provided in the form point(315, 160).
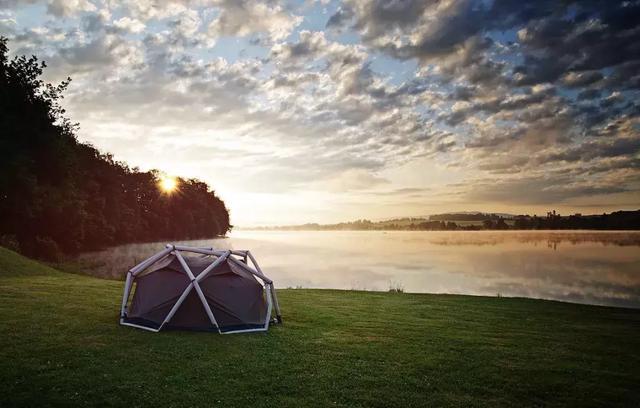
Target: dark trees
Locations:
point(58, 195)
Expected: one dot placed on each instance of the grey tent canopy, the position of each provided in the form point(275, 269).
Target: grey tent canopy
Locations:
point(222, 291)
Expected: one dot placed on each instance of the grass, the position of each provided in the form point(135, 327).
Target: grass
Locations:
point(60, 344)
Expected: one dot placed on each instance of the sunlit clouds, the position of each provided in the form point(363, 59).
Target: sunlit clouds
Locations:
point(329, 111)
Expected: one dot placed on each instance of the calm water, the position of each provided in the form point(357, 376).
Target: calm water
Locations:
point(586, 267)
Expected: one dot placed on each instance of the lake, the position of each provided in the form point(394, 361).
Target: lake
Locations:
point(577, 266)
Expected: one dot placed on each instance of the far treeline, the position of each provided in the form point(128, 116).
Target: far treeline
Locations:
point(59, 196)
point(619, 220)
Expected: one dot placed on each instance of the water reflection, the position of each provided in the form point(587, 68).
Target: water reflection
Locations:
point(586, 267)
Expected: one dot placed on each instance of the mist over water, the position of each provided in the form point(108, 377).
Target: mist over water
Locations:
point(577, 266)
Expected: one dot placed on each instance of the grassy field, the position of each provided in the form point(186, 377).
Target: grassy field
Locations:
point(60, 344)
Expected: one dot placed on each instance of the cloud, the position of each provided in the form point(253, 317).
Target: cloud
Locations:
point(129, 24)
point(65, 8)
point(523, 81)
point(243, 18)
point(353, 179)
point(537, 190)
point(528, 102)
point(580, 79)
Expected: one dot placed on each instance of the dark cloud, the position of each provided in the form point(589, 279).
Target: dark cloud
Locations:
point(588, 94)
point(340, 18)
point(547, 190)
point(552, 83)
point(600, 149)
point(439, 28)
point(577, 80)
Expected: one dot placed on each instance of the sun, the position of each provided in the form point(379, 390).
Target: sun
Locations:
point(168, 184)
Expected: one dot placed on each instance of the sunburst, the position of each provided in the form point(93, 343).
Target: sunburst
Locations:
point(168, 184)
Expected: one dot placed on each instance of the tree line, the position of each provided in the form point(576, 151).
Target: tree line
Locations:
point(619, 220)
point(60, 196)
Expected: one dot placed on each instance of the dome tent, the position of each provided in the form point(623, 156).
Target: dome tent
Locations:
point(212, 290)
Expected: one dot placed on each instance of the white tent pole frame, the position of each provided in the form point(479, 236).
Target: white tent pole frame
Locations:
point(125, 295)
point(251, 270)
point(245, 331)
point(273, 290)
point(209, 268)
point(150, 261)
point(151, 329)
point(221, 255)
point(275, 303)
point(182, 297)
point(175, 307)
point(209, 251)
point(197, 286)
point(269, 306)
point(204, 251)
point(257, 268)
point(136, 270)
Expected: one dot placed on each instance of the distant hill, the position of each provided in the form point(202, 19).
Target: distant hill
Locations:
point(469, 216)
point(472, 221)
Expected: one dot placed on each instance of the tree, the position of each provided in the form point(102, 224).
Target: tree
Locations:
point(58, 195)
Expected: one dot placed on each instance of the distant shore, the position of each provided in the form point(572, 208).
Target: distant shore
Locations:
point(615, 221)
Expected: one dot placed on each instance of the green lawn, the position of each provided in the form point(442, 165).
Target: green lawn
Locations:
point(60, 344)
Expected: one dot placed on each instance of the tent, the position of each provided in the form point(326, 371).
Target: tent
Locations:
point(210, 290)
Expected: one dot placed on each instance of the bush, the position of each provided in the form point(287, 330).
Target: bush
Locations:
point(47, 249)
point(10, 241)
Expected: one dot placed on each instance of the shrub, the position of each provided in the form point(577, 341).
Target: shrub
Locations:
point(46, 248)
point(10, 241)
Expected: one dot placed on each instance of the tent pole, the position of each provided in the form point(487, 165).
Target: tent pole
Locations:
point(276, 305)
point(251, 270)
point(150, 261)
point(258, 270)
point(125, 295)
point(175, 307)
point(208, 251)
point(197, 286)
point(245, 255)
point(140, 327)
point(209, 268)
point(199, 250)
point(245, 331)
point(273, 290)
point(269, 307)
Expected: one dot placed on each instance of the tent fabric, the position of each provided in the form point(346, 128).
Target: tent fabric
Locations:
point(237, 300)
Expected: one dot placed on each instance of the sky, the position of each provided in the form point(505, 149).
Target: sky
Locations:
point(325, 111)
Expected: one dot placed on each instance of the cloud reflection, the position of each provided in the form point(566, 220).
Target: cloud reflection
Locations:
point(596, 268)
